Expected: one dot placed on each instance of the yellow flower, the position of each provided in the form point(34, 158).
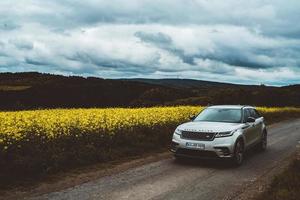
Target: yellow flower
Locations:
point(50, 124)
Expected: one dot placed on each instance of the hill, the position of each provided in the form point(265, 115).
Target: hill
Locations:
point(182, 83)
point(34, 90)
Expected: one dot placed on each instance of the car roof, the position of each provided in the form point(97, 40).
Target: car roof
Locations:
point(231, 106)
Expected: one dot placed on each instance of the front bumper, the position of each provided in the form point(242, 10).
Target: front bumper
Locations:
point(217, 148)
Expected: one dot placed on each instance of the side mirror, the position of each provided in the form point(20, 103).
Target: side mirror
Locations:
point(192, 117)
point(250, 120)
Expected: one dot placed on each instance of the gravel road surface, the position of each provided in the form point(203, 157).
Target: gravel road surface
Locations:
point(196, 179)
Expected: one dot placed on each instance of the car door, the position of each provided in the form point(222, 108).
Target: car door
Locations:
point(249, 132)
point(257, 125)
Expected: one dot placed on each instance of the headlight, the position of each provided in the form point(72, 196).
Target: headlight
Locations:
point(225, 134)
point(178, 131)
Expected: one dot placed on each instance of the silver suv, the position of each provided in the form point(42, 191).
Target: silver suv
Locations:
point(225, 131)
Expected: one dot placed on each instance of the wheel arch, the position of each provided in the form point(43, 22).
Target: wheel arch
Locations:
point(242, 138)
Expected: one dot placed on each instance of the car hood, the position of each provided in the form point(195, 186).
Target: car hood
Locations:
point(209, 126)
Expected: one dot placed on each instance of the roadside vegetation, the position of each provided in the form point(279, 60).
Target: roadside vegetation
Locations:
point(285, 185)
point(35, 143)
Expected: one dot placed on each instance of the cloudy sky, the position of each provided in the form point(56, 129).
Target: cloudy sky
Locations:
point(239, 41)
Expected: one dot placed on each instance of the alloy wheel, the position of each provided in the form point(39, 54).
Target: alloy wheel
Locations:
point(239, 153)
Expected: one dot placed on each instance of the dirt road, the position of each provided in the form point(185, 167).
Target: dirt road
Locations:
point(167, 179)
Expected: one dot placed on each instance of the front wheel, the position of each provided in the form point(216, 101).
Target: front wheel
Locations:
point(263, 143)
point(238, 156)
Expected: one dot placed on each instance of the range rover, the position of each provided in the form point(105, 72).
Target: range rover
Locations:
point(224, 131)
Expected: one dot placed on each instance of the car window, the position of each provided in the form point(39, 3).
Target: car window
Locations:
point(253, 114)
point(257, 113)
point(220, 115)
point(246, 114)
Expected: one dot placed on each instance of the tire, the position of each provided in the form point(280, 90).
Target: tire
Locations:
point(262, 146)
point(238, 156)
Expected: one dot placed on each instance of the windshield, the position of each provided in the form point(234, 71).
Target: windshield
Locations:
point(229, 115)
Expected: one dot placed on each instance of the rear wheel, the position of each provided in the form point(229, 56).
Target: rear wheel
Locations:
point(238, 156)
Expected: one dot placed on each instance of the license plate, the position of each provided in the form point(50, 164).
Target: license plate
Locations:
point(195, 145)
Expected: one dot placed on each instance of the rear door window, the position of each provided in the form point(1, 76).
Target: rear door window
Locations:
point(257, 113)
point(253, 113)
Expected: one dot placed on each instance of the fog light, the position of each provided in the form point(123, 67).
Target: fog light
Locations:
point(223, 151)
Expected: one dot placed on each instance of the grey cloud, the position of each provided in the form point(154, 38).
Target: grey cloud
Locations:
point(8, 26)
point(272, 17)
point(106, 63)
point(165, 42)
point(38, 62)
point(148, 37)
point(22, 44)
point(2, 52)
point(157, 38)
point(236, 58)
point(224, 54)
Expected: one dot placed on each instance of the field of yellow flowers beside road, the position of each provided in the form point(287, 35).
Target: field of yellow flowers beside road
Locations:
point(46, 141)
point(16, 126)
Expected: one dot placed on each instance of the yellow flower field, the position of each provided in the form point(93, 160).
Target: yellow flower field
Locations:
point(61, 121)
point(56, 122)
point(43, 141)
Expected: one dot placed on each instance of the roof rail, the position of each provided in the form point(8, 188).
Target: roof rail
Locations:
point(246, 106)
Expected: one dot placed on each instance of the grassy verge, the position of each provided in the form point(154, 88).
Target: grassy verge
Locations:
point(285, 185)
point(37, 143)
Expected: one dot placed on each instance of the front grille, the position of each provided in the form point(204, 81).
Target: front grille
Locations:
point(201, 136)
point(196, 153)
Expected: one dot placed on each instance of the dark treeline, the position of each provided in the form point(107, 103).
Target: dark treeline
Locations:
point(33, 90)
